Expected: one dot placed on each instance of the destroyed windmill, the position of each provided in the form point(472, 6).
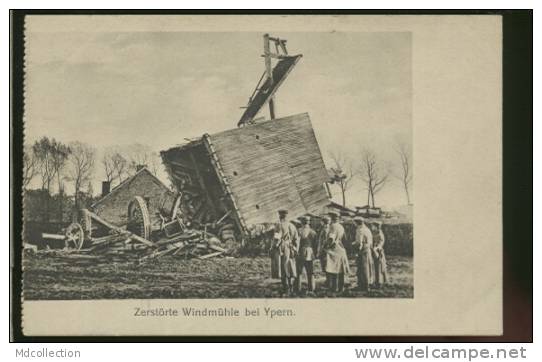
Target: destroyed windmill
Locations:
point(250, 172)
point(228, 184)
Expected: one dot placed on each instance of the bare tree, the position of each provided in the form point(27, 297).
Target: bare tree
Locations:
point(107, 163)
point(115, 165)
point(60, 156)
point(142, 155)
point(43, 151)
point(405, 174)
point(30, 166)
point(90, 189)
point(81, 167)
point(154, 163)
point(138, 155)
point(343, 172)
point(120, 165)
point(51, 157)
point(373, 174)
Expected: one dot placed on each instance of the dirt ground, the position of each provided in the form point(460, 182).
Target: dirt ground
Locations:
point(59, 277)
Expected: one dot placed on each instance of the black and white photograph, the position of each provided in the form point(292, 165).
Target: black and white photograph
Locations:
point(217, 165)
point(274, 175)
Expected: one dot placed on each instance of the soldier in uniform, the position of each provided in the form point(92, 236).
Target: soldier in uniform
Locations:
point(322, 240)
point(307, 254)
point(380, 266)
point(284, 250)
point(363, 246)
point(336, 259)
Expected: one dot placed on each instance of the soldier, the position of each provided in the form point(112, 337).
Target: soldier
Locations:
point(322, 240)
point(307, 253)
point(380, 267)
point(363, 245)
point(284, 249)
point(336, 259)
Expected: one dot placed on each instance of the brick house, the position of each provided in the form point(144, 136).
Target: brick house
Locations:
point(113, 206)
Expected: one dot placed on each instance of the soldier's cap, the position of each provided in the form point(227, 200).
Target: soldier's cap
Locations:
point(326, 218)
point(295, 222)
point(358, 219)
point(333, 214)
point(304, 218)
point(283, 212)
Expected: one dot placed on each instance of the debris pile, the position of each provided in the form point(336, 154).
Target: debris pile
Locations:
point(173, 238)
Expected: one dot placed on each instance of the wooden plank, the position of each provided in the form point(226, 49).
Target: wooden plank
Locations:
point(201, 181)
point(224, 184)
point(120, 230)
point(269, 87)
point(181, 165)
point(217, 248)
point(53, 236)
point(211, 255)
point(273, 165)
point(269, 72)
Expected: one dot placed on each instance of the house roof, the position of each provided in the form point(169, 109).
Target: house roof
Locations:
point(127, 181)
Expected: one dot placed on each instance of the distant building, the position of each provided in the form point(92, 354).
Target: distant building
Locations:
point(342, 210)
point(113, 205)
point(368, 211)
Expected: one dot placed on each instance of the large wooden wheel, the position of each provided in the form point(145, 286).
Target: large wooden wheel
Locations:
point(139, 220)
point(74, 236)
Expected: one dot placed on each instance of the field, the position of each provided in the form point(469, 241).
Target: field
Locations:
point(59, 277)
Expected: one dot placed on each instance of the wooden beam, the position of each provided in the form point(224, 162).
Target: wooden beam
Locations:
point(120, 230)
point(211, 255)
point(53, 236)
point(268, 89)
point(181, 165)
point(201, 181)
point(224, 185)
point(105, 223)
point(269, 71)
point(275, 56)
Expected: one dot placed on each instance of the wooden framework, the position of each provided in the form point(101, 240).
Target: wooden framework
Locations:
point(274, 77)
point(250, 173)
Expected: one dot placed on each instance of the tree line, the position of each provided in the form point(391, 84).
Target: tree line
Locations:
point(55, 164)
point(372, 171)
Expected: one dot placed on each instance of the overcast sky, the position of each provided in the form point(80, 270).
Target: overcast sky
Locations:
point(114, 88)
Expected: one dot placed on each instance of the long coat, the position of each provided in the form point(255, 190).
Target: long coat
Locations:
point(363, 245)
point(380, 265)
point(336, 258)
point(284, 250)
point(308, 244)
point(321, 249)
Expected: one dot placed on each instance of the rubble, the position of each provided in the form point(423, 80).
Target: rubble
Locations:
point(118, 242)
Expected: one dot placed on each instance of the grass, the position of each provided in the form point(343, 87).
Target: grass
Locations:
point(54, 277)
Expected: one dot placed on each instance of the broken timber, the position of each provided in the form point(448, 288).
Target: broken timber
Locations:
point(258, 169)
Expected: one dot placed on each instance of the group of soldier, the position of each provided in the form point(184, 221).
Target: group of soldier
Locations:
point(294, 250)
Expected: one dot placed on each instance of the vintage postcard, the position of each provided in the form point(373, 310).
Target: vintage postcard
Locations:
point(262, 175)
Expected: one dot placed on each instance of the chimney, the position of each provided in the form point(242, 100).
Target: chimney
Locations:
point(106, 187)
point(140, 167)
